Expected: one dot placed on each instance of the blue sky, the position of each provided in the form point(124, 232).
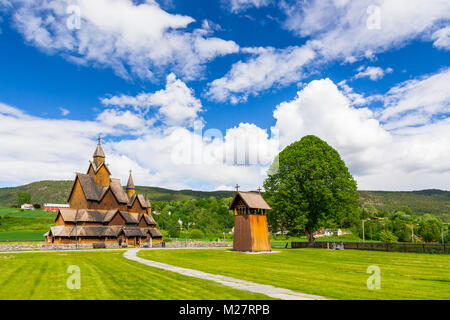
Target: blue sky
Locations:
point(371, 78)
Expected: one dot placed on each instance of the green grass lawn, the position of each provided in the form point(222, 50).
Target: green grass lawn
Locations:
point(334, 274)
point(104, 275)
point(15, 212)
point(17, 225)
point(22, 235)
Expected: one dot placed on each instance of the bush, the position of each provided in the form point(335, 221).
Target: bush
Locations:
point(430, 230)
point(387, 236)
point(447, 237)
point(196, 234)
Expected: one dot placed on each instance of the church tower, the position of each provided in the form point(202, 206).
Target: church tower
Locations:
point(99, 155)
point(98, 169)
point(131, 190)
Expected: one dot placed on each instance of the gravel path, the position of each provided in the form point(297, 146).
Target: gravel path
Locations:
point(268, 290)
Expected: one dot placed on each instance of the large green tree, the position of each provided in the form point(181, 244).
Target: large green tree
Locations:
point(308, 187)
point(23, 197)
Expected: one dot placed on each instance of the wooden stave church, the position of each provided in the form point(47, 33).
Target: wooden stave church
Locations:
point(100, 211)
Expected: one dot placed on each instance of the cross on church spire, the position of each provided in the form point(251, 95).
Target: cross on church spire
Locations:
point(99, 155)
point(237, 187)
point(259, 189)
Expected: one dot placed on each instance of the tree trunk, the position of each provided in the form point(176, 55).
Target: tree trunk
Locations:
point(310, 238)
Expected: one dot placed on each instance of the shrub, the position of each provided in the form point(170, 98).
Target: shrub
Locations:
point(387, 236)
point(196, 234)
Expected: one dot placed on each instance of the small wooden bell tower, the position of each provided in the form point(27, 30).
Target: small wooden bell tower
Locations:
point(250, 222)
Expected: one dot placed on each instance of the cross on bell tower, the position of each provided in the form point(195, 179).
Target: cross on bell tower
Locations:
point(237, 187)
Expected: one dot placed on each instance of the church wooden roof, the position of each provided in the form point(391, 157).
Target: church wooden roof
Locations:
point(148, 219)
point(100, 231)
point(92, 191)
point(102, 216)
point(118, 191)
point(96, 168)
point(252, 200)
point(145, 203)
point(155, 233)
point(84, 215)
point(95, 192)
point(69, 231)
point(130, 183)
point(133, 232)
point(99, 151)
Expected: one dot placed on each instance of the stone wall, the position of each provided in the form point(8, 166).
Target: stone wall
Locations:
point(193, 244)
point(44, 246)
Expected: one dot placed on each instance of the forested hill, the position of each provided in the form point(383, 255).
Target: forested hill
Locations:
point(58, 191)
point(436, 202)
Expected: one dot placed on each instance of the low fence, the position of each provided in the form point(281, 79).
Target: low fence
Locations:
point(377, 246)
point(192, 244)
point(46, 246)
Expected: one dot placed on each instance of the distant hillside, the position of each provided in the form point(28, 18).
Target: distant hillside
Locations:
point(435, 202)
point(58, 191)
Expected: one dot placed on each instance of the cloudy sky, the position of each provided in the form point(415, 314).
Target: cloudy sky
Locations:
point(203, 94)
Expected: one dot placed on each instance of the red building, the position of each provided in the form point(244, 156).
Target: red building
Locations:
point(54, 206)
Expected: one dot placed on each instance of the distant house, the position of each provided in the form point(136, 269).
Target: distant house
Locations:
point(327, 233)
point(27, 206)
point(54, 206)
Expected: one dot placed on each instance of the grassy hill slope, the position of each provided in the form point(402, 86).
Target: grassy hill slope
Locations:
point(435, 202)
point(58, 191)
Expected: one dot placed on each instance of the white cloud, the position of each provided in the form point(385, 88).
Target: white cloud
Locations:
point(134, 39)
point(164, 156)
point(404, 159)
point(415, 102)
point(409, 157)
point(64, 112)
point(242, 5)
point(356, 99)
point(176, 104)
point(334, 30)
point(341, 28)
point(442, 38)
point(124, 119)
point(268, 67)
point(321, 109)
point(373, 73)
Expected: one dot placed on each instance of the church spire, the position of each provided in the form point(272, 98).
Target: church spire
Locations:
point(99, 155)
point(130, 186)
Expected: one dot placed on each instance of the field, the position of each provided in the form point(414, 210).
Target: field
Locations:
point(333, 274)
point(104, 275)
point(17, 225)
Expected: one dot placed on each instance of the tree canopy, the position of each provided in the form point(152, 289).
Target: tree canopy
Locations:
point(23, 197)
point(308, 187)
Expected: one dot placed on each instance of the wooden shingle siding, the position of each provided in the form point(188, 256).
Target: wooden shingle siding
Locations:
point(77, 198)
point(102, 177)
point(118, 220)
